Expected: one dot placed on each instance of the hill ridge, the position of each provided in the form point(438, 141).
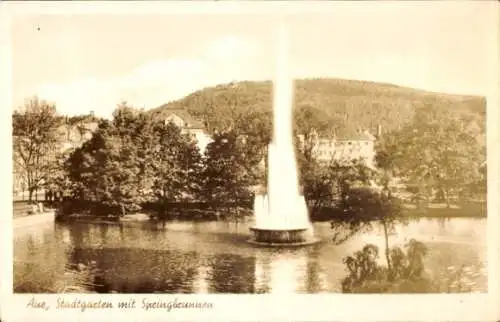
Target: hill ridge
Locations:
point(346, 80)
point(344, 102)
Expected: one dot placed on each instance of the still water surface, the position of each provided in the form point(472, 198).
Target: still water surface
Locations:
point(212, 257)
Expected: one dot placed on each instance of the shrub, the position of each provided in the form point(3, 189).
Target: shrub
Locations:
point(407, 273)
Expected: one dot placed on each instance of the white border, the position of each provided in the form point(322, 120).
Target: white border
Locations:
point(339, 307)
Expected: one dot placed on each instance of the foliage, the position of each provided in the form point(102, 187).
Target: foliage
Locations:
point(176, 164)
point(323, 182)
point(406, 274)
point(35, 142)
point(309, 123)
point(78, 119)
point(59, 181)
point(364, 207)
point(330, 184)
point(254, 133)
point(436, 152)
point(226, 179)
point(136, 159)
point(478, 185)
point(104, 169)
point(132, 160)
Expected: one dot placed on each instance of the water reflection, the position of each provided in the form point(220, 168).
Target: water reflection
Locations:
point(200, 283)
point(284, 273)
point(210, 257)
point(315, 280)
point(231, 274)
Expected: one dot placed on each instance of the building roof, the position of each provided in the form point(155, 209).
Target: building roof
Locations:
point(91, 126)
point(349, 134)
point(191, 122)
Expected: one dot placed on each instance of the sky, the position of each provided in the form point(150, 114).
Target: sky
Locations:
point(92, 62)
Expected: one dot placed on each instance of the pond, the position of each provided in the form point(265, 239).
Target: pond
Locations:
point(213, 257)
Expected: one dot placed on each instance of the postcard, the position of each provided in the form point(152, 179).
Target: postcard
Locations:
point(250, 161)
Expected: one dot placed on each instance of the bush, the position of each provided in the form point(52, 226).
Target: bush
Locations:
point(407, 273)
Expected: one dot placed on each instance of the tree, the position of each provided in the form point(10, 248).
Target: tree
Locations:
point(362, 204)
point(317, 178)
point(309, 125)
point(134, 159)
point(318, 185)
point(254, 133)
point(366, 206)
point(84, 164)
point(59, 183)
point(176, 164)
point(113, 168)
point(479, 185)
point(436, 153)
point(385, 162)
point(124, 182)
point(226, 179)
point(35, 142)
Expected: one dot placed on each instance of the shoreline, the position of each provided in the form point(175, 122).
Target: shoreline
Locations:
point(471, 211)
point(131, 219)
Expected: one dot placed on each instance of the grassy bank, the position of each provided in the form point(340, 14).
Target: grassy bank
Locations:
point(471, 210)
point(432, 210)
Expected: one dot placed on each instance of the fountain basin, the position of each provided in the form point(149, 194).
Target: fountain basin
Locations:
point(282, 237)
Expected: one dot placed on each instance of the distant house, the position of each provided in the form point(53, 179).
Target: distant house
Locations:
point(188, 125)
point(70, 136)
point(345, 144)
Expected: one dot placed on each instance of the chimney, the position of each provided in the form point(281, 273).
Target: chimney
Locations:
point(379, 130)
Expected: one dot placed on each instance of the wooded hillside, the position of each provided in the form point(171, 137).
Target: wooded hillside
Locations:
point(344, 103)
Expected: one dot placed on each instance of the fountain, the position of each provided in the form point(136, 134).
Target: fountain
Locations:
point(281, 215)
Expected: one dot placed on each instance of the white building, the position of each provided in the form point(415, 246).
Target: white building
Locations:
point(188, 125)
point(345, 145)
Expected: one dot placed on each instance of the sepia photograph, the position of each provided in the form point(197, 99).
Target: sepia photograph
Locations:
point(265, 152)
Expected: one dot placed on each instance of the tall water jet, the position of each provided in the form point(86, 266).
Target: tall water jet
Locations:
point(281, 215)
